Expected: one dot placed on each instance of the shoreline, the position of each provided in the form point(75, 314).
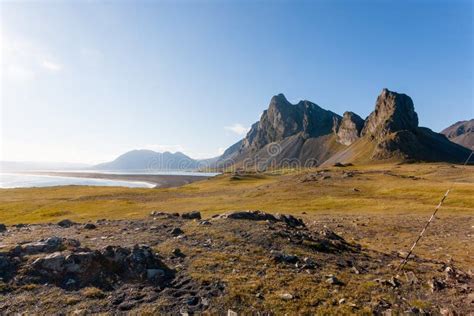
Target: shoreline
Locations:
point(160, 181)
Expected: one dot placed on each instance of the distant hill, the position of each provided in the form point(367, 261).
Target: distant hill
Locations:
point(150, 160)
point(304, 134)
point(461, 133)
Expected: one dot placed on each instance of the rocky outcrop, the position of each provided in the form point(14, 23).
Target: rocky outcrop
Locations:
point(305, 135)
point(283, 119)
point(349, 128)
point(393, 112)
point(461, 133)
point(63, 262)
point(393, 127)
point(99, 268)
point(289, 220)
point(286, 135)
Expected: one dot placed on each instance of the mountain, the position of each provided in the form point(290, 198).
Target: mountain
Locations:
point(391, 132)
point(286, 134)
point(150, 160)
point(461, 133)
point(304, 134)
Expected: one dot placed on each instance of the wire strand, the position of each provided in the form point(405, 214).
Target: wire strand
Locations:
point(404, 262)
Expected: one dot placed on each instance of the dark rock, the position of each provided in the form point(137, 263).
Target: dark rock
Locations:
point(76, 269)
point(126, 306)
point(192, 301)
point(393, 282)
point(250, 215)
point(191, 215)
point(290, 220)
point(157, 213)
point(118, 299)
point(177, 252)
point(152, 274)
point(7, 267)
point(436, 284)
point(284, 258)
point(65, 223)
point(90, 226)
point(3, 228)
point(308, 264)
point(177, 231)
point(333, 280)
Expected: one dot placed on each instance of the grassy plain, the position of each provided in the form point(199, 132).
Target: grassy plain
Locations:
point(380, 207)
point(375, 189)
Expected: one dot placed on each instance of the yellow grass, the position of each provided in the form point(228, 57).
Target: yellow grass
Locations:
point(278, 191)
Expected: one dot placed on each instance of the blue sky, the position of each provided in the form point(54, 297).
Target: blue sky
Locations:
point(84, 81)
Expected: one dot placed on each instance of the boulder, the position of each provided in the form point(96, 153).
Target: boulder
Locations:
point(3, 228)
point(89, 226)
point(100, 268)
point(284, 258)
point(49, 245)
point(191, 215)
point(290, 220)
point(250, 215)
point(7, 266)
point(177, 231)
point(65, 223)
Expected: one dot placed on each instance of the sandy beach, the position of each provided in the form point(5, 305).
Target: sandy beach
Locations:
point(160, 181)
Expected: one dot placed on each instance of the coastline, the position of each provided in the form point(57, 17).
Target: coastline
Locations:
point(160, 181)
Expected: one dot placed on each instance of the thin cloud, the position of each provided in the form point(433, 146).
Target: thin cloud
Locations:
point(23, 59)
point(238, 129)
point(51, 66)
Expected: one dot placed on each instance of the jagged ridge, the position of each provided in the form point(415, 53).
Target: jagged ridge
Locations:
point(306, 134)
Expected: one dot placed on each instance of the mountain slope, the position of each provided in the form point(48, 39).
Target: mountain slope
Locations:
point(287, 134)
point(461, 133)
point(304, 134)
point(150, 160)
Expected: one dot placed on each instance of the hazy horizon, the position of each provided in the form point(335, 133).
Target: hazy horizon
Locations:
point(84, 82)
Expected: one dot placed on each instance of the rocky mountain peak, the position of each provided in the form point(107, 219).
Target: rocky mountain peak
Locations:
point(461, 133)
point(283, 119)
point(349, 128)
point(393, 112)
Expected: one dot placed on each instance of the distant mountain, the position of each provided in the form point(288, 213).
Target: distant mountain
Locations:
point(35, 166)
point(150, 160)
point(305, 134)
point(461, 133)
